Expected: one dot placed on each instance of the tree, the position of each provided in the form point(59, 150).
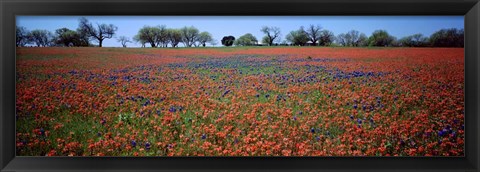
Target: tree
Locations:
point(161, 36)
point(189, 35)
point(342, 39)
point(101, 32)
point(41, 38)
point(203, 38)
point(21, 36)
point(355, 38)
point(228, 40)
point(326, 38)
point(66, 37)
point(246, 40)
point(314, 33)
point(151, 35)
point(137, 39)
point(298, 37)
point(448, 38)
point(174, 37)
point(416, 40)
point(123, 40)
point(381, 38)
point(271, 34)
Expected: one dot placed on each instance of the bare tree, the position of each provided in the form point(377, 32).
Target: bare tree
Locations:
point(101, 32)
point(314, 33)
point(342, 39)
point(21, 36)
point(326, 38)
point(124, 40)
point(271, 34)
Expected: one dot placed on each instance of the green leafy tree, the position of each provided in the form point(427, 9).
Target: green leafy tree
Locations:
point(381, 38)
point(447, 38)
point(228, 40)
point(246, 40)
point(42, 38)
point(189, 35)
point(174, 36)
point(203, 38)
point(298, 37)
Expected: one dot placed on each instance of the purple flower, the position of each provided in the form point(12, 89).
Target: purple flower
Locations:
point(133, 143)
point(147, 146)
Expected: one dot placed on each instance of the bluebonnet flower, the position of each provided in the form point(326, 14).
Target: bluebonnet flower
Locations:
point(355, 106)
point(42, 131)
point(267, 95)
point(317, 138)
point(172, 109)
point(440, 133)
point(225, 93)
point(204, 136)
point(133, 143)
point(147, 146)
point(312, 130)
point(359, 121)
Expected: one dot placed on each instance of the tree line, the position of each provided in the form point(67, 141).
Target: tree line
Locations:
point(189, 36)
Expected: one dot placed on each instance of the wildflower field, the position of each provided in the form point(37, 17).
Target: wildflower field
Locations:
point(253, 101)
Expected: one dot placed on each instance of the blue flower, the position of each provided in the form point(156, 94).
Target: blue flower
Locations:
point(204, 136)
point(355, 106)
point(312, 130)
point(42, 131)
point(359, 121)
point(172, 109)
point(351, 117)
point(440, 133)
point(133, 143)
point(147, 146)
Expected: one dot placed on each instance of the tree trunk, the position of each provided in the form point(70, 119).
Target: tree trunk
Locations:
point(100, 42)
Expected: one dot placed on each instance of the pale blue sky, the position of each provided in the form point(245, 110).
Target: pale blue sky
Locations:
point(236, 26)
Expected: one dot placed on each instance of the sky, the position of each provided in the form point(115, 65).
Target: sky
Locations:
point(220, 26)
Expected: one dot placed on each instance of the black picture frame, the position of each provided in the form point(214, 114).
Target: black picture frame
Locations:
point(10, 8)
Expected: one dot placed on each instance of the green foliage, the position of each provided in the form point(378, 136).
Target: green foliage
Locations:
point(381, 38)
point(204, 37)
point(189, 35)
point(228, 40)
point(246, 40)
point(298, 37)
point(68, 38)
point(41, 38)
point(447, 38)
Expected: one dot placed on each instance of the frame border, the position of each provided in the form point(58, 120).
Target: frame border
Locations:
point(10, 8)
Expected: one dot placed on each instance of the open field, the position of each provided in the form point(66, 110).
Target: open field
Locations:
point(258, 101)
